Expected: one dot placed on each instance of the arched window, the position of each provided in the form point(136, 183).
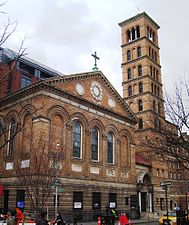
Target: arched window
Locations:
point(152, 54)
point(155, 56)
point(157, 91)
point(154, 105)
point(94, 143)
point(139, 51)
point(138, 31)
point(156, 124)
point(11, 136)
point(154, 73)
point(140, 124)
point(77, 139)
point(151, 70)
point(133, 33)
point(128, 36)
point(140, 105)
point(139, 70)
point(159, 107)
point(157, 75)
point(130, 91)
point(140, 87)
point(152, 87)
point(149, 52)
point(110, 147)
point(129, 73)
point(128, 55)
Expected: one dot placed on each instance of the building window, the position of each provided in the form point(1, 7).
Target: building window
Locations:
point(159, 107)
point(129, 73)
point(77, 140)
point(77, 200)
point(149, 52)
point(157, 75)
point(112, 200)
point(128, 36)
point(54, 200)
point(110, 148)
point(140, 105)
point(140, 87)
point(20, 199)
point(94, 143)
point(11, 136)
point(154, 105)
point(130, 90)
point(139, 70)
point(96, 200)
point(139, 51)
point(151, 71)
point(140, 124)
point(25, 81)
point(128, 55)
point(126, 200)
point(156, 124)
point(133, 33)
point(138, 31)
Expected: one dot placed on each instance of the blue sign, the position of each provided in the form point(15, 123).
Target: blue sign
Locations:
point(20, 204)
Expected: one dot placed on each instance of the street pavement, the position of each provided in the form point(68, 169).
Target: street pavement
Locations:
point(133, 222)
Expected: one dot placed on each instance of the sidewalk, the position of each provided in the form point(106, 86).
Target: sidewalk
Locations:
point(135, 222)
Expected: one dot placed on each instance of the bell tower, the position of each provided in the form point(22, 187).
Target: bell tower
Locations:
point(141, 70)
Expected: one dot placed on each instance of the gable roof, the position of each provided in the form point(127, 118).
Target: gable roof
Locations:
point(104, 80)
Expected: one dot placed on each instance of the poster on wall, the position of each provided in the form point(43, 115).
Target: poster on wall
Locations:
point(77, 205)
point(112, 204)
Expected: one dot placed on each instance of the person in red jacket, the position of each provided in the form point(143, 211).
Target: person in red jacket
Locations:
point(19, 216)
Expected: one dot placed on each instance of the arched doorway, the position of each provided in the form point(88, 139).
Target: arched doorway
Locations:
point(145, 193)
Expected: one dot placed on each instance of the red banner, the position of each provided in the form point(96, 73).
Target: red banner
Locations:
point(1, 190)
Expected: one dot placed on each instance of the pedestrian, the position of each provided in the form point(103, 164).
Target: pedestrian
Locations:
point(19, 216)
point(42, 220)
point(108, 216)
point(60, 218)
point(10, 219)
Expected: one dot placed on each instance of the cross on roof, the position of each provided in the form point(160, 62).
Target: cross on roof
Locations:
point(95, 58)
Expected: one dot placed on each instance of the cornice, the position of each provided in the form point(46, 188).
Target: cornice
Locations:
point(141, 78)
point(137, 17)
point(30, 90)
point(138, 59)
point(140, 39)
point(142, 94)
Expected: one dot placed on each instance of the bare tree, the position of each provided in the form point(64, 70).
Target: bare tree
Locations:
point(8, 132)
point(9, 28)
point(38, 175)
point(171, 141)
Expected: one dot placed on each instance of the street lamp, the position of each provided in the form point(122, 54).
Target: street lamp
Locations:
point(57, 180)
point(164, 186)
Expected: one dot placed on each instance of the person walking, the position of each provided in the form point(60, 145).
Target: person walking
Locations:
point(42, 220)
point(10, 219)
point(60, 218)
point(19, 216)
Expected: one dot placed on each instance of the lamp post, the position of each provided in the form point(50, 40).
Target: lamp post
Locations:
point(164, 186)
point(57, 181)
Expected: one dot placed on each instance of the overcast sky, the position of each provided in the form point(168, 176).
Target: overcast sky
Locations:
point(64, 33)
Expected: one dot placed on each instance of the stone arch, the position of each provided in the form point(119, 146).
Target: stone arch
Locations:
point(81, 118)
point(60, 111)
point(144, 178)
point(59, 120)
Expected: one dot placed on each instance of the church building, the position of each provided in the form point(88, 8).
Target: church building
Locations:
point(95, 130)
